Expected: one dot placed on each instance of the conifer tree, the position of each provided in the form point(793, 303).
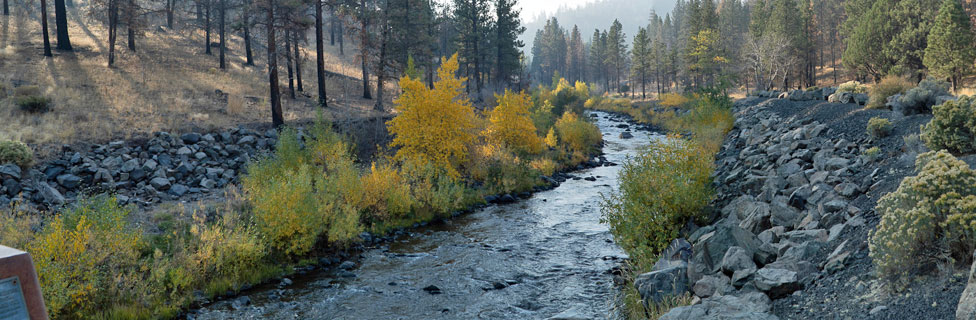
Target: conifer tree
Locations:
point(950, 51)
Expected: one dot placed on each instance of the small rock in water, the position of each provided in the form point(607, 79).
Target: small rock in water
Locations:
point(241, 302)
point(626, 135)
point(346, 274)
point(347, 265)
point(285, 282)
point(432, 289)
point(590, 178)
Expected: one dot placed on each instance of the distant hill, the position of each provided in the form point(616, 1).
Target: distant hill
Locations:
point(599, 15)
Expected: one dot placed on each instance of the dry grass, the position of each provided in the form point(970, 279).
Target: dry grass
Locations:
point(169, 84)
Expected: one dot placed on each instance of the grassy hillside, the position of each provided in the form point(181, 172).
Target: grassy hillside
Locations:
point(167, 84)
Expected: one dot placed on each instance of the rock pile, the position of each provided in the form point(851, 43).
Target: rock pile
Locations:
point(785, 188)
point(165, 167)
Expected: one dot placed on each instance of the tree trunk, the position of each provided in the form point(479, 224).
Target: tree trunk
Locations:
point(276, 118)
point(61, 22)
point(381, 67)
point(332, 22)
point(47, 40)
point(298, 61)
point(113, 30)
point(131, 38)
point(170, 7)
point(340, 33)
point(247, 37)
point(207, 26)
point(363, 47)
point(223, 45)
point(320, 54)
point(6, 8)
point(291, 76)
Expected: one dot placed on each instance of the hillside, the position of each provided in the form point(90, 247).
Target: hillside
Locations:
point(167, 84)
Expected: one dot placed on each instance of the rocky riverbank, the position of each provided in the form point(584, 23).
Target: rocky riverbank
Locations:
point(796, 191)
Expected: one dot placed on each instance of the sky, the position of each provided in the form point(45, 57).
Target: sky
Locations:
point(532, 8)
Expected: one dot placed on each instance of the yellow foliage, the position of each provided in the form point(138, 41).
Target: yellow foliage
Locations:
point(386, 194)
point(435, 126)
point(673, 100)
point(577, 133)
point(511, 125)
point(544, 165)
point(84, 256)
point(285, 209)
point(551, 139)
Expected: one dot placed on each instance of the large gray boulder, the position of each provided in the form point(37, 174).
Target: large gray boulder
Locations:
point(654, 286)
point(967, 302)
point(749, 306)
point(776, 282)
point(711, 247)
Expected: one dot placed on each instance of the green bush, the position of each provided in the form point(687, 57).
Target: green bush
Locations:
point(879, 127)
point(16, 152)
point(852, 87)
point(295, 202)
point(579, 134)
point(929, 220)
point(953, 126)
point(30, 99)
point(661, 188)
point(920, 99)
point(871, 154)
point(889, 86)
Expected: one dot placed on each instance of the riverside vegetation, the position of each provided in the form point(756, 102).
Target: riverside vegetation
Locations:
point(307, 198)
point(667, 185)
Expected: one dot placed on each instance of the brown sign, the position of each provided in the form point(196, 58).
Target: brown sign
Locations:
point(20, 292)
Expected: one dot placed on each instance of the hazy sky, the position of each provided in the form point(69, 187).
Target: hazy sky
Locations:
point(532, 8)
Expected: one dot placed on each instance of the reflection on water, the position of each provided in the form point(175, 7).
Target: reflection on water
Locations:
point(546, 256)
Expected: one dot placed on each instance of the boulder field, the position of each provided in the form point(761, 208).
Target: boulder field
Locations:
point(795, 198)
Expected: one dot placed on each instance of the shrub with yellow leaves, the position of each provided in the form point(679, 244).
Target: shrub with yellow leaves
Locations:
point(929, 220)
point(386, 194)
point(511, 125)
point(85, 256)
point(434, 125)
point(673, 100)
point(577, 133)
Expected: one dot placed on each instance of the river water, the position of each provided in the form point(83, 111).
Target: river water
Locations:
point(546, 257)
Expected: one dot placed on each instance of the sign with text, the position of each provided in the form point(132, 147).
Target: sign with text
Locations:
point(20, 292)
point(12, 304)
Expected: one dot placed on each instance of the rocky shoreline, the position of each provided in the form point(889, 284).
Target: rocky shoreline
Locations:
point(795, 202)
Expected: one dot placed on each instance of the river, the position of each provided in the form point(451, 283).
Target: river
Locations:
point(545, 257)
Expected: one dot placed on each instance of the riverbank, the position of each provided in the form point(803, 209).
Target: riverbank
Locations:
point(546, 255)
point(796, 185)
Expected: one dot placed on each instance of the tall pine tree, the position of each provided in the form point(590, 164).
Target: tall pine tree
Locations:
point(950, 51)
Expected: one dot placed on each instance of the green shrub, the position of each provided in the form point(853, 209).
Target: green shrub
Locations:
point(953, 127)
point(661, 188)
point(16, 152)
point(295, 202)
point(889, 86)
point(871, 154)
point(920, 99)
point(879, 127)
point(929, 220)
point(30, 99)
point(852, 87)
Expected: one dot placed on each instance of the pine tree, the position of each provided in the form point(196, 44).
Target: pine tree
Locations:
point(508, 47)
point(616, 50)
point(950, 52)
point(470, 17)
point(642, 59)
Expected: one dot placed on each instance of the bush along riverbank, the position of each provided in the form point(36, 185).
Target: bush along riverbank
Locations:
point(817, 213)
point(308, 199)
point(664, 187)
